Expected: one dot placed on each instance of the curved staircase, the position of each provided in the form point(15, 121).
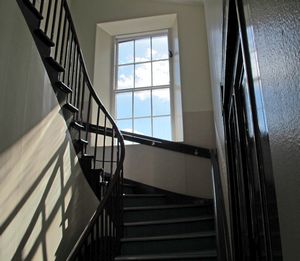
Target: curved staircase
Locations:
point(133, 221)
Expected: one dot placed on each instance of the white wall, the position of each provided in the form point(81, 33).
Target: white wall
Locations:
point(45, 201)
point(195, 78)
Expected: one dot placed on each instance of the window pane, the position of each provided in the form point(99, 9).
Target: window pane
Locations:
point(143, 126)
point(161, 102)
point(160, 49)
point(124, 105)
point(125, 77)
point(142, 50)
point(125, 125)
point(162, 128)
point(125, 54)
point(161, 73)
point(142, 104)
point(143, 75)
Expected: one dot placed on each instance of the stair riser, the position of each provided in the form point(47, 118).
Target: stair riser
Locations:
point(168, 246)
point(127, 190)
point(139, 202)
point(167, 229)
point(157, 214)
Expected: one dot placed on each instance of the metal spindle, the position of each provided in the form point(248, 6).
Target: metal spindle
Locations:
point(105, 235)
point(118, 151)
point(42, 6)
point(48, 16)
point(63, 49)
point(92, 246)
point(77, 104)
point(112, 151)
point(68, 45)
point(88, 117)
point(104, 139)
point(58, 31)
point(70, 61)
point(96, 139)
point(73, 64)
point(82, 98)
point(54, 20)
point(97, 239)
point(76, 78)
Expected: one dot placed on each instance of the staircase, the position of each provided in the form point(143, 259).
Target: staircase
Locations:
point(159, 225)
point(133, 221)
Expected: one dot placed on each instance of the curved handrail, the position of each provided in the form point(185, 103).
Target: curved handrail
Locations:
point(91, 89)
point(59, 47)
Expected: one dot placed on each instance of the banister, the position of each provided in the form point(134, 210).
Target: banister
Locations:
point(91, 89)
point(155, 142)
point(223, 245)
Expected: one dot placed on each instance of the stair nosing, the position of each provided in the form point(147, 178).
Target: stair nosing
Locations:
point(71, 107)
point(167, 256)
point(63, 87)
point(169, 221)
point(143, 195)
point(77, 125)
point(165, 207)
point(170, 237)
point(44, 37)
point(52, 62)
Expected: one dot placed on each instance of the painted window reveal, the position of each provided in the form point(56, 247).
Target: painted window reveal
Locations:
point(142, 85)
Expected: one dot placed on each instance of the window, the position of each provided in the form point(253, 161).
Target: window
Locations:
point(142, 89)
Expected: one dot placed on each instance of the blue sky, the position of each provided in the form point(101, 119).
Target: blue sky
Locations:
point(137, 105)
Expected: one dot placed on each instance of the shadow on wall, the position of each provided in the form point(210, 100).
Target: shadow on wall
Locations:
point(41, 197)
point(40, 214)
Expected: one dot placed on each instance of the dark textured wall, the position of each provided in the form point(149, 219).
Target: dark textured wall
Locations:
point(276, 27)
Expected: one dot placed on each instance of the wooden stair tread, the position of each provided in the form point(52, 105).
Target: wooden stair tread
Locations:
point(169, 256)
point(168, 206)
point(169, 221)
point(170, 237)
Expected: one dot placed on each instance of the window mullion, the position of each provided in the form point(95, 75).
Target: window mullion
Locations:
point(151, 100)
point(133, 91)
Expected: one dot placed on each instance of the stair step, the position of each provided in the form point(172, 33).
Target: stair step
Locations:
point(159, 212)
point(131, 200)
point(169, 243)
point(71, 107)
point(63, 87)
point(169, 226)
point(76, 125)
point(128, 188)
point(54, 64)
point(199, 256)
point(31, 7)
point(44, 38)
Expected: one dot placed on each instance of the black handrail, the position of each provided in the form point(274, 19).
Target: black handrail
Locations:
point(155, 142)
point(223, 245)
point(54, 33)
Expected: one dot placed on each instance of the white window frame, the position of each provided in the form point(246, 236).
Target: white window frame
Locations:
point(114, 90)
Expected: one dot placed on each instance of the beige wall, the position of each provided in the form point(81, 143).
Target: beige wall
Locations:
point(45, 201)
point(214, 25)
point(195, 78)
